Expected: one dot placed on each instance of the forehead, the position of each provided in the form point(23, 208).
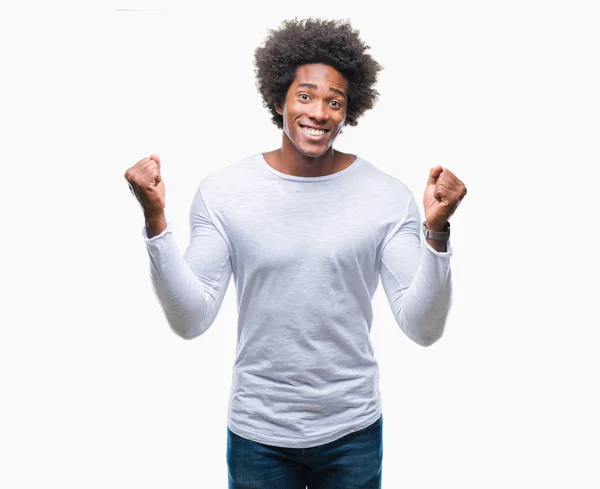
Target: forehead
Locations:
point(323, 76)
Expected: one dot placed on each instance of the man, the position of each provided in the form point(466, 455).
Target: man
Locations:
point(306, 231)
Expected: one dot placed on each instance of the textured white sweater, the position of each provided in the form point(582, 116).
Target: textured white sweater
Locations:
point(306, 254)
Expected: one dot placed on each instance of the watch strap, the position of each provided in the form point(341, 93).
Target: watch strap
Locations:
point(436, 235)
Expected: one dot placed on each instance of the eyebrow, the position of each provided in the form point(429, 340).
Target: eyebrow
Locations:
point(314, 87)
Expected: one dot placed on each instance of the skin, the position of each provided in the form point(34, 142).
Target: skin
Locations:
point(443, 193)
point(323, 104)
point(147, 185)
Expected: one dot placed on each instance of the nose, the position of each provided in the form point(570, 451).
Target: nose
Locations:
point(317, 111)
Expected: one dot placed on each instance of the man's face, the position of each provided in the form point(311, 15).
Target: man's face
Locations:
point(315, 101)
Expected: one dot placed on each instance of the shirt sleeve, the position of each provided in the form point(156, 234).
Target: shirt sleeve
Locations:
point(417, 280)
point(190, 287)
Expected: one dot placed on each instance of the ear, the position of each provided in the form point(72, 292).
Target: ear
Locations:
point(279, 109)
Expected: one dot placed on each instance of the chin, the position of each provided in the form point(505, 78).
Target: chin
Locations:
point(312, 152)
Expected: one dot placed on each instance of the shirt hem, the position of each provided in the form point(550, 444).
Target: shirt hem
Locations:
point(305, 443)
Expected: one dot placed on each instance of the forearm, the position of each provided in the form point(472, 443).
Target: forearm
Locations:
point(427, 300)
point(179, 291)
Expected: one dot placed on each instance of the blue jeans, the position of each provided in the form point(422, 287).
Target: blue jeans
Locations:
point(351, 462)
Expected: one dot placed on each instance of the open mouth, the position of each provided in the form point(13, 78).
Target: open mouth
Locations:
point(314, 133)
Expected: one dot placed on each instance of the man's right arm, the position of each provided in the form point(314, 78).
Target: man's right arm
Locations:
point(189, 287)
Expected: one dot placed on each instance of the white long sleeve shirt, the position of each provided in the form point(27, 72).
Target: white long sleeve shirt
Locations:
point(306, 254)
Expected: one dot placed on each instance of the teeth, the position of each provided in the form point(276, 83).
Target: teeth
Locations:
point(314, 132)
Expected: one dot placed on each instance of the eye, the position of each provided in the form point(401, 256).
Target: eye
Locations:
point(337, 103)
point(304, 95)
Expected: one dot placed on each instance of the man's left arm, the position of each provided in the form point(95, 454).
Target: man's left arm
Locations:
point(417, 279)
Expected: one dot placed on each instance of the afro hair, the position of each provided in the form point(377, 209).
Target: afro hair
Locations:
point(331, 42)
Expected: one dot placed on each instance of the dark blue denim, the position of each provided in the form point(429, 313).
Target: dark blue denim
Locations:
point(351, 462)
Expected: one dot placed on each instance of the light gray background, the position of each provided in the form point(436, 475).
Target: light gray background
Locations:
point(98, 392)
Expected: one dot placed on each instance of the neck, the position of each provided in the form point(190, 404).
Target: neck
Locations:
point(288, 159)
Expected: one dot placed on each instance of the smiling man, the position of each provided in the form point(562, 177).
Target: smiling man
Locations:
point(307, 233)
point(313, 115)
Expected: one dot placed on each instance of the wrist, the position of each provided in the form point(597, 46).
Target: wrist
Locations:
point(437, 233)
point(437, 227)
point(155, 224)
point(437, 245)
point(154, 215)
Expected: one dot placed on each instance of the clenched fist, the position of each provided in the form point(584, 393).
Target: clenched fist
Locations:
point(147, 185)
point(443, 193)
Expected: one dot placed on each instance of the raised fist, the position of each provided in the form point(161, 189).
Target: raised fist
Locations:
point(147, 185)
point(443, 194)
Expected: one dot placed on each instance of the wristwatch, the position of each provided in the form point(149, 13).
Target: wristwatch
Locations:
point(438, 236)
